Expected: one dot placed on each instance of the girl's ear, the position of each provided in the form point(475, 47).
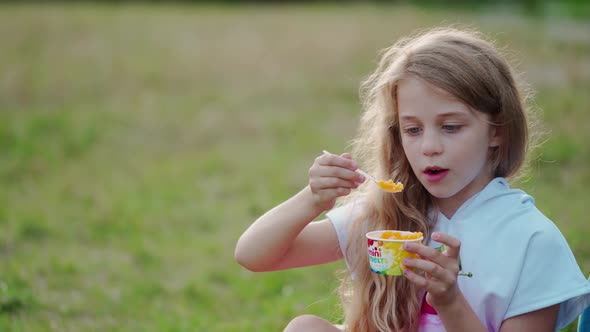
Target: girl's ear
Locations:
point(495, 136)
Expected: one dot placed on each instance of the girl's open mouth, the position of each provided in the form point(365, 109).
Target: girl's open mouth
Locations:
point(435, 174)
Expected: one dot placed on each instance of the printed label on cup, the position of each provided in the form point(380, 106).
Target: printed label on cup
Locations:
point(386, 255)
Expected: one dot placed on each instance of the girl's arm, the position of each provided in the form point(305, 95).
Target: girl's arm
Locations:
point(542, 320)
point(285, 237)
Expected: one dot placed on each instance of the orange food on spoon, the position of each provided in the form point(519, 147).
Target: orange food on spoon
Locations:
point(390, 186)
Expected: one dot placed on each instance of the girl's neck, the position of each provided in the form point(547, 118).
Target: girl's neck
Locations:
point(449, 206)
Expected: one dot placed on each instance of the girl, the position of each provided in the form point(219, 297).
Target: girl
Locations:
point(444, 116)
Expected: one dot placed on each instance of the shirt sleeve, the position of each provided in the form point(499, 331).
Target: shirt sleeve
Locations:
point(550, 275)
point(341, 218)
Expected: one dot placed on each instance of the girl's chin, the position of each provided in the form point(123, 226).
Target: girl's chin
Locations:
point(437, 192)
point(436, 195)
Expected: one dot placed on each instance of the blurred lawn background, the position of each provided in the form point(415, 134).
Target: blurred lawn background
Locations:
point(137, 142)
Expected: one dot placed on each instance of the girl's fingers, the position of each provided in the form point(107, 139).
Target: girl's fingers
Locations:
point(332, 193)
point(432, 286)
point(441, 269)
point(449, 259)
point(324, 183)
point(428, 253)
point(420, 281)
point(452, 243)
point(346, 155)
point(416, 279)
point(335, 172)
point(329, 165)
point(339, 172)
point(333, 160)
point(434, 270)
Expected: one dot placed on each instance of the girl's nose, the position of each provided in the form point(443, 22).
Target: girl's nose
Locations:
point(431, 144)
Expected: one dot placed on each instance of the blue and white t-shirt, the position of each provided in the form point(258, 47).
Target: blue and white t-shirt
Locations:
point(519, 260)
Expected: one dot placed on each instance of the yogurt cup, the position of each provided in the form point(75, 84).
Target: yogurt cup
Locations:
point(386, 254)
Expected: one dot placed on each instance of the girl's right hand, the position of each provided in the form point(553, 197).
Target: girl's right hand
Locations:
point(332, 176)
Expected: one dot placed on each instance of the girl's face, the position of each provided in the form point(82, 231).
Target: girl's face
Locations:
point(445, 142)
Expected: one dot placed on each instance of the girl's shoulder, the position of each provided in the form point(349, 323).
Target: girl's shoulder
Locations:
point(507, 215)
point(514, 207)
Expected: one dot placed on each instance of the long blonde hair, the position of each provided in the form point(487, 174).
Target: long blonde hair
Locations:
point(464, 64)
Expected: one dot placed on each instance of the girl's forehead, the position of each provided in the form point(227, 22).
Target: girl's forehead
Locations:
point(417, 86)
point(416, 97)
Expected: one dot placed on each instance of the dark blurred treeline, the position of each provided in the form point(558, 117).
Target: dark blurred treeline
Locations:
point(571, 8)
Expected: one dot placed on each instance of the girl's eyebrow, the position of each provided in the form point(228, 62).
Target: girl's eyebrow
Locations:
point(443, 115)
point(407, 117)
point(450, 114)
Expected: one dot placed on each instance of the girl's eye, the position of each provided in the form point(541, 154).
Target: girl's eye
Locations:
point(412, 130)
point(451, 128)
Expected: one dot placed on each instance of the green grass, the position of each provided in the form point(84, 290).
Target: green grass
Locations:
point(138, 141)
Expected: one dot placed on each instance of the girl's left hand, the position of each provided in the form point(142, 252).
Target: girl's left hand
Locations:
point(440, 269)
